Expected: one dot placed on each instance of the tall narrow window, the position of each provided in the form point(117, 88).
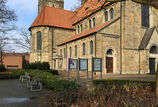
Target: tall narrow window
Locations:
point(145, 15)
point(81, 28)
point(64, 52)
point(91, 47)
point(111, 13)
point(106, 16)
point(70, 52)
point(83, 49)
point(39, 40)
point(78, 29)
point(90, 24)
point(93, 21)
point(75, 50)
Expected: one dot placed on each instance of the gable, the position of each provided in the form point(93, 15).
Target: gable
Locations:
point(153, 40)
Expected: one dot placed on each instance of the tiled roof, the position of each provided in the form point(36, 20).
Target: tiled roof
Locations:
point(91, 5)
point(55, 17)
point(88, 32)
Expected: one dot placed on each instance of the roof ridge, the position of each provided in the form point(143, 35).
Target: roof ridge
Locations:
point(59, 9)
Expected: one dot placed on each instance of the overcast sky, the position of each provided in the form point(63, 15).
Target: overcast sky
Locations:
point(26, 11)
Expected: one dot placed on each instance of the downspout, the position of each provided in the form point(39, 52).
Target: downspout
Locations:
point(121, 37)
point(66, 58)
point(52, 47)
point(95, 45)
point(139, 61)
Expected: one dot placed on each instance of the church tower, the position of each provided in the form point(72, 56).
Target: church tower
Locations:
point(51, 3)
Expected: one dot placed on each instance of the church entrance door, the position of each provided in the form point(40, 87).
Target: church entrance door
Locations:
point(109, 64)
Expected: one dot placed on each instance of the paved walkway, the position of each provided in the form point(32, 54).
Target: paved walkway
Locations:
point(82, 77)
point(13, 93)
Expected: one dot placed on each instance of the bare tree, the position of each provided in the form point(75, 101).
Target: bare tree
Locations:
point(7, 16)
point(74, 7)
point(24, 40)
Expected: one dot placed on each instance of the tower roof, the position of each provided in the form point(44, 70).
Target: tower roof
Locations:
point(54, 17)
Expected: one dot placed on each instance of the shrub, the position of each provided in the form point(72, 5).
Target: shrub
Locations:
point(2, 68)
point(101, 97)
point(123, 83)
point(37, 65)
point(53, 72)
point(26, 66)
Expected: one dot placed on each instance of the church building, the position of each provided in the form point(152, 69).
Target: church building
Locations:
point(124, 35)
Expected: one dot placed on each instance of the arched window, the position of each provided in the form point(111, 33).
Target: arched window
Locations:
point(106, 16)
point(39, 40)
point(53, 5)
point(153, 50)
point(109, 52)
point(64, 52)
point(81, 28)
point(111, 13)
point(93, 21)
point(83, 49)
point(75, 50)
point(78, 29)
point(91, 47)
point(90, 24)
point(70, 52)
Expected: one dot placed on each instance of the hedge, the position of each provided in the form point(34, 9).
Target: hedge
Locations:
point(122, 83)
point(37, 65)
point(49, 80)
point(2, 68)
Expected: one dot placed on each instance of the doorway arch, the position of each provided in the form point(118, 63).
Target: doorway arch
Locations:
point(110, 61)
point(153, 54)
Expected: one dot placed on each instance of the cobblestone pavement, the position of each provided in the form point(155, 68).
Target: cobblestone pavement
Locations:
point(13, 93)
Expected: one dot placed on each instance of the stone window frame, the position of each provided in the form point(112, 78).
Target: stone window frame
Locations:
point(106, 16)
point(64, 52)
point(75, 50)
point(91, 47)
point(111, 13)
point(83, 49)
point(90, 23)
point(94, 22)
point(70, 51)
point(145, 15)
point(81, 28)
point(153, 50)
point(78, 29)
point(37, 41)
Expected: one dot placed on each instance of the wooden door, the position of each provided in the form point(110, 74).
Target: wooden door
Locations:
point(109, 64)
point(152, 65)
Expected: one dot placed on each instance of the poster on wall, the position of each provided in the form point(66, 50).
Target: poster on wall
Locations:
point(72, 63)
point(83, 64)
point(97, 64)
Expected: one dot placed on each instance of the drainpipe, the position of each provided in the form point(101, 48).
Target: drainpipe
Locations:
point(66, 58)
point(121, 37)
point(139, 61)
point(52, 46)
point(95, 45)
